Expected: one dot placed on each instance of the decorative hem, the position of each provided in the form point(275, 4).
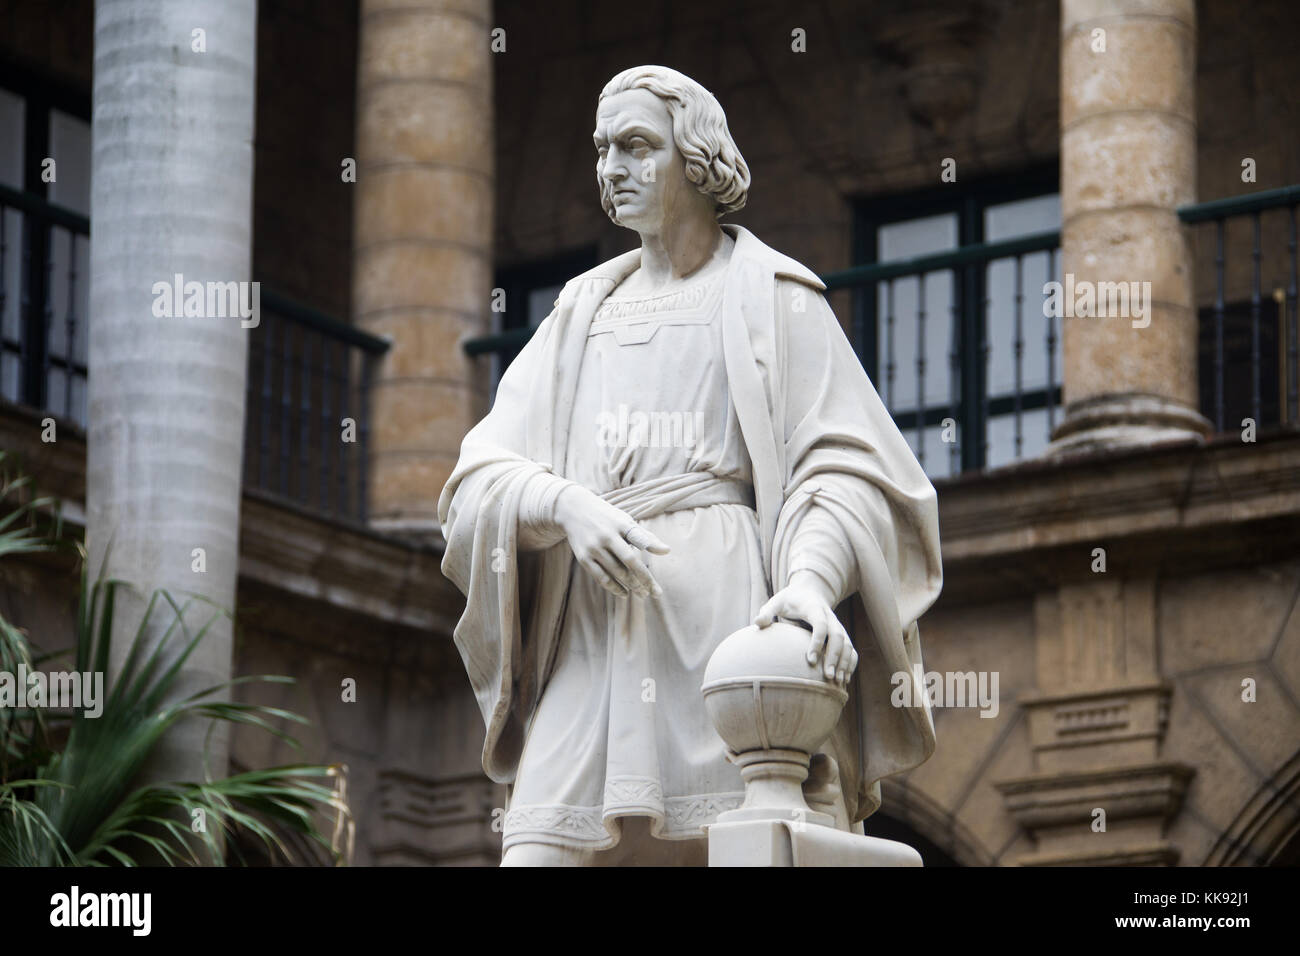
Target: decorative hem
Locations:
point(594, 828)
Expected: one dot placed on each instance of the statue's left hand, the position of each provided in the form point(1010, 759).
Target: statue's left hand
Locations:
point(806, 598)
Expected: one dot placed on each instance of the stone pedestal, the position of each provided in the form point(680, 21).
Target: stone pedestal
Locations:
point(800, 843)
point(1128, 160)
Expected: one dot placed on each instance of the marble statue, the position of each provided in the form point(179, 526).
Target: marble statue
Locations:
point(687, 445)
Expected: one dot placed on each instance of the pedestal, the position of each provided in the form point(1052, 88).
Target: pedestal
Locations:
point(799, 843)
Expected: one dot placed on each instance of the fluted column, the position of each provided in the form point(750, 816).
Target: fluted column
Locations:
point(1128, 160)
point(423, 239)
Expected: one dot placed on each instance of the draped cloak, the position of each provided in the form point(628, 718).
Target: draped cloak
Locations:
point(819, 440)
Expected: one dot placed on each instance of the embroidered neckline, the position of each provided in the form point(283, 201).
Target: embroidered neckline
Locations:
point(687, 298)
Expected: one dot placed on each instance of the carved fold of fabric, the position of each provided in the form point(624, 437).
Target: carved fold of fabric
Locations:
point(697, 489)
point(538, 529)
point(857, 501)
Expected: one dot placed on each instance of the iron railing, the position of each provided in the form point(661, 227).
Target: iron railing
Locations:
point(307, 422)
point(1250, 367)
point(1249, 350)
point(307, 432)
point(971, 402)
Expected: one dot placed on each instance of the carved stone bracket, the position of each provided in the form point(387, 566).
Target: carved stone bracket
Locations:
point(1099, 727)
point(425, 822)
point(1060, 811)
point(1100, 794)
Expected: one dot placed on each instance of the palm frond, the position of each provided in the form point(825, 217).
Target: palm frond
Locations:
point(80, 804)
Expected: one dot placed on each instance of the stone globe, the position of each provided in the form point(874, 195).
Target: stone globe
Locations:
point(773, 710)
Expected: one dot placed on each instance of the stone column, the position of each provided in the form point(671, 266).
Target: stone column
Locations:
point(171, 206)
point(1128, 159)
point(423, 235)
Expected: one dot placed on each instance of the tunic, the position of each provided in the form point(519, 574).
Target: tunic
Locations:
point(652, 406)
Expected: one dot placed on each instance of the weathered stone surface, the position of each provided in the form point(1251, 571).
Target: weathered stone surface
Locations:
point(423, 123)
point(1127, 160)
point(421, 202)
point(1106, 163)
point(1146, 60)
point(436, 42)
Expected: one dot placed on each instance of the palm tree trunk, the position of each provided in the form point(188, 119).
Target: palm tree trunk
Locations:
point(171, 193)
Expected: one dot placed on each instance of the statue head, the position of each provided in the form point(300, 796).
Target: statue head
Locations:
point(663, 143)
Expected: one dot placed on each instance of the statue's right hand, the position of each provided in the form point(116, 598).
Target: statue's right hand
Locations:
point(608, 542)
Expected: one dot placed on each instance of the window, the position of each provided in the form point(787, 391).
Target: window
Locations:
point(950, 326)
point(529, 293)
point(44, 244)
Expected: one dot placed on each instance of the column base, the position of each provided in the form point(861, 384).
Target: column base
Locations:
point(1130, 420)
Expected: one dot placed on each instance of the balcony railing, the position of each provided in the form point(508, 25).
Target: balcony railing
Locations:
point(1249, 346)
point(307, 423)
point(307, 427)
point(973, 272)
point(981, 278)
point(1250, 358)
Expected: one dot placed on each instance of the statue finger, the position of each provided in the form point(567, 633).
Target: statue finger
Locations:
point(640, 574)
point(844, 653)
point(606, 580)
point(852, 667)
point(639, 537)
point(769, 611)
point(831, 667)
point(615, 569)
point(817, 642)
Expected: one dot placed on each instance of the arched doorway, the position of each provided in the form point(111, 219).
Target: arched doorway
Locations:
point(887, 828)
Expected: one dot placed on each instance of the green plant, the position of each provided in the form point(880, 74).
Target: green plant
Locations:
point(68, 788)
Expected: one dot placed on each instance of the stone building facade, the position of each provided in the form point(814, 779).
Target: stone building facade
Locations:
point(1125, 562)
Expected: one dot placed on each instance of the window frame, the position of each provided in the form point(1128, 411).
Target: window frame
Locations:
point(517, 281)
point(968, 203)
point(41, 93)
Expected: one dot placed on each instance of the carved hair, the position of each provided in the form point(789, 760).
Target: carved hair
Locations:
point(713, 161)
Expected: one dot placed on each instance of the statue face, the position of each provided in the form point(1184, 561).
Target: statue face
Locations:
point(642, 175)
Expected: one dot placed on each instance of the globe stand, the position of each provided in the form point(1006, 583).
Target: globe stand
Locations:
point(774, 788)
point(773, 710)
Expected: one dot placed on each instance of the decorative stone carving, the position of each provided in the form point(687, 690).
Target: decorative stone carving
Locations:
point(937, 47)
point(424, 821)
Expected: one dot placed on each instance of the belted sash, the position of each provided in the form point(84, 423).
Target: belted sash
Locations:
point(696, 489)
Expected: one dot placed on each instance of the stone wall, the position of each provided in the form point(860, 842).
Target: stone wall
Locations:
point(56, 38)
point(1121, 683)
point(306, 118)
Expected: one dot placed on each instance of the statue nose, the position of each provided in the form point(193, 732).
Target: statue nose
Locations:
point(615, 168)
